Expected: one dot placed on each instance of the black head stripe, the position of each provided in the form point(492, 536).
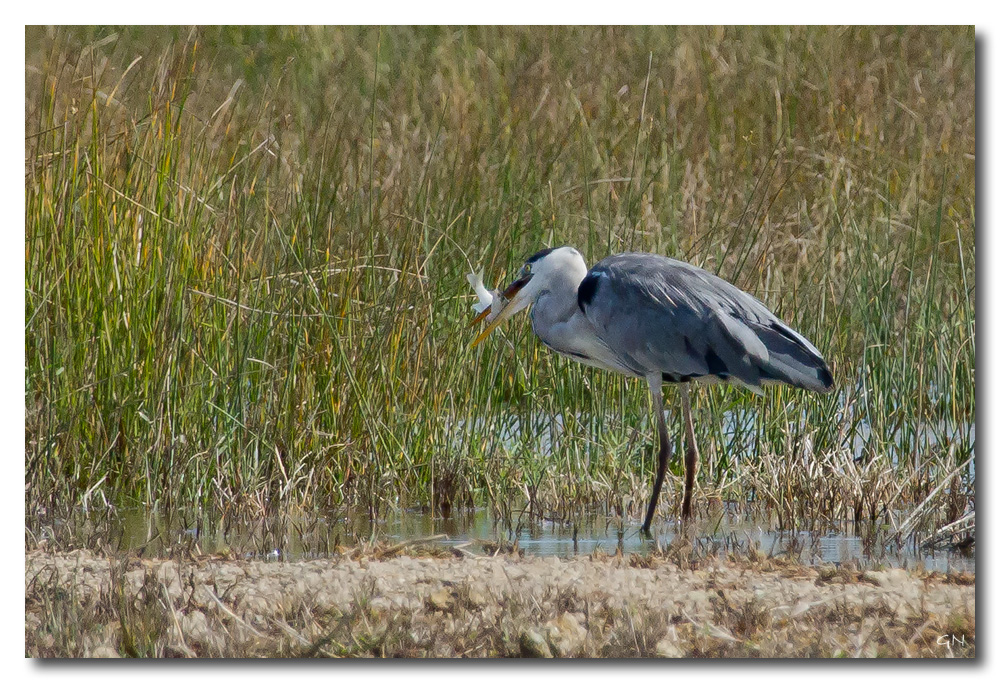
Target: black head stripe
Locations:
point(540, 255)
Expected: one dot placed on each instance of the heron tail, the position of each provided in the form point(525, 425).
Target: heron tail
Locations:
point(792, 359)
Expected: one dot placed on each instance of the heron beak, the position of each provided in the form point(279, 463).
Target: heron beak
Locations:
point(480, 317)
point(511, 296)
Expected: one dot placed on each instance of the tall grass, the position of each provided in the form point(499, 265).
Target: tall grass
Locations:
point(245, 252)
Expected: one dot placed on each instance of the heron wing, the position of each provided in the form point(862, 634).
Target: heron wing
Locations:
point(660, 314)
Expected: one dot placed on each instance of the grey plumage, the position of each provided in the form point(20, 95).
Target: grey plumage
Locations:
point(657, 313)
point(665, 321)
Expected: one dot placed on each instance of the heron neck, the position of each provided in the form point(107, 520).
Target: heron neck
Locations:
point(557, 301)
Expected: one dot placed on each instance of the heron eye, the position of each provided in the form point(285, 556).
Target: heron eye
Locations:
point(526, 270)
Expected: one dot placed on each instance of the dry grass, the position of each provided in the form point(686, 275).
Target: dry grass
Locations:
point(356, 605)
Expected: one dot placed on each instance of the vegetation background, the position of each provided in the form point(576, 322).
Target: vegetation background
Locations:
point(246, 249)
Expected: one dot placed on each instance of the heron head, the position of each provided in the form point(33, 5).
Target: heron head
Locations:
point(534, 278)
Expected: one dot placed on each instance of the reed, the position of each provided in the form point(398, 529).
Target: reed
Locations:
point(246, 248)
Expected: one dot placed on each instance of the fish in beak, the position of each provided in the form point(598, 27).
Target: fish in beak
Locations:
point(514, 300)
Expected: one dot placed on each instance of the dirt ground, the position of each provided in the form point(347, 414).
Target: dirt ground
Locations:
point(79, 604)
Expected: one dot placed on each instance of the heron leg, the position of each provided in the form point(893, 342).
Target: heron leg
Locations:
point(690, 455)
point(656, 389)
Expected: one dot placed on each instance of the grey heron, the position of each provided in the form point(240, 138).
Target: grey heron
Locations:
point(663, 320)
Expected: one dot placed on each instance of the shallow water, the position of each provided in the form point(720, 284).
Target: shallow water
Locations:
point(293, 537)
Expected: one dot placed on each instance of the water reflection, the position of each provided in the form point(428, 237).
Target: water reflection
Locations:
point(294, 537)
